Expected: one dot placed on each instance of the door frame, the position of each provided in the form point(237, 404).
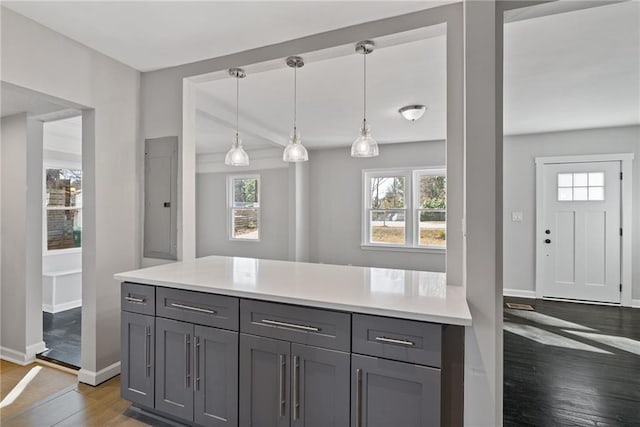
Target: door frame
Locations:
point(626, 220)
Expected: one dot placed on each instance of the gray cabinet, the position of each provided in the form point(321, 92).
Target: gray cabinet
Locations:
point(284, 384)
point(136, 370)
point(264, 382)
point(390, 393)
point(197, 373)
point(174, 368)
point(216, 377)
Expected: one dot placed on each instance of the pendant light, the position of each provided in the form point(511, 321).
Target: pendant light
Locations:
point(295, 151)
point(364, 145)
point(236, 156)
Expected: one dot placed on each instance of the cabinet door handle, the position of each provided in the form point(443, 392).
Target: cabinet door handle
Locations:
point(358, 397)
point(296, 388)
point(192, 308)
point(147, 349)
point(394, 341)
point(281, 384)
point(197, 363)
point(134, 299)
point(290, 325)
point(187, 356)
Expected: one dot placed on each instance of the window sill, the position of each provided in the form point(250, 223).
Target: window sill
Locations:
point(428, 250)
point(48, 252)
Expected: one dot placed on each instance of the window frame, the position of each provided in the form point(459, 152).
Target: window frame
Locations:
point(230, 207)
point(45, 224)
point(411, 208)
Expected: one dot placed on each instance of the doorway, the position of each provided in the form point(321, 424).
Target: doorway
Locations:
point(62, 240)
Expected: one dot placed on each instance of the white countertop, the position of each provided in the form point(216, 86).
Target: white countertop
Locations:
point(406, 294)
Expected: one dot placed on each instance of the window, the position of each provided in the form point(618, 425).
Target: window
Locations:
point(63, 208)
point(243, 194)
point(405, 208)
point(580, 186)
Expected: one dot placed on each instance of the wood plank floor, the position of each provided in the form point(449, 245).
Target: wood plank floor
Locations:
point(570, 364)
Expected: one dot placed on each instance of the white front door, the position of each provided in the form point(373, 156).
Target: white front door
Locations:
point(580, 231)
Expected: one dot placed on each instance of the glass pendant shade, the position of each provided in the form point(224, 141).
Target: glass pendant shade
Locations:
point(295, 151)
point(236, 156)
point(364, 145)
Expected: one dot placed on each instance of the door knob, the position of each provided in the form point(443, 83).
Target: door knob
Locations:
point(547, 241)
point(547, 231)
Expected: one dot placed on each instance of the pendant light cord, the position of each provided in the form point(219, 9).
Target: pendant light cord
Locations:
point(295, 98)
point(237, 105)
point(365, 87)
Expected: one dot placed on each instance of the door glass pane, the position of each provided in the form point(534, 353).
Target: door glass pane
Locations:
point(433, 228)
point(596, 179)
point(580, 193)
point(596, 193)
point(565, 194)
point(565, 180)
point(64, 229)
point(63, 187)
point(388, 226)
point(387, 192)
point(580, 179)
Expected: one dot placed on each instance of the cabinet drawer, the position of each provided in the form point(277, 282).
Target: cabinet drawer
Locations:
point(138, 298)
point(397, 339)
point(320, 328)
point(197, 307)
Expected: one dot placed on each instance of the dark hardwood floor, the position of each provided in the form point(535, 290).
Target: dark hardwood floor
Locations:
point(571, 364)
point(61, 333)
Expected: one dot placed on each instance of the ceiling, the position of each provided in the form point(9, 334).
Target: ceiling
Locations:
point(63, 135)
point(575, 70)
point(149, 35)
point(330, 100)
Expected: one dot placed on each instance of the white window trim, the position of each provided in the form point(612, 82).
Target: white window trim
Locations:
point(411, 211)
point(230, 207)
point(45, 247)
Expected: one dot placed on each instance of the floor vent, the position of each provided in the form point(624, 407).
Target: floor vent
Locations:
point(516, 306)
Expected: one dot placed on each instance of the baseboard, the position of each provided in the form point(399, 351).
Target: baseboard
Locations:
point(635, 303)
point(21, 358)
point(96, 378)
point(518, 293)
point(57, 308)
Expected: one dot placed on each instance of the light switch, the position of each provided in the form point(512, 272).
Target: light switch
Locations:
point(516, 216)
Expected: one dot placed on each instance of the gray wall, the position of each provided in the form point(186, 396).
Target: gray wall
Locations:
point(37, 58)
point(21, 226)
point(335, 198)
point(211, 216)
point(520, 192)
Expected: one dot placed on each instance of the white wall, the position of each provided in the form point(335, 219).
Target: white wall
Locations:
point(336, 202)
point(21, 258)
point(36, 58)
point(520, 192)
point(211, 216)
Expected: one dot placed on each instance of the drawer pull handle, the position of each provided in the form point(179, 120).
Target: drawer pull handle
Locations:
point(290, 325)
point(394, 341)
point(189, 307)
point(134, 299)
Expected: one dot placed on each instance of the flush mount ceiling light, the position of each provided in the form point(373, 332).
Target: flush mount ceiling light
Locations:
point(364, 145)
point(295, 151)
point(236, 156)
point(412, 112)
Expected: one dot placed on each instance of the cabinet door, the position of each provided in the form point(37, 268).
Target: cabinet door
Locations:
point(388, 393)
point(320, 387)
point(216, 377)
point(137, 373)
point(174, 383)
point(264, 382)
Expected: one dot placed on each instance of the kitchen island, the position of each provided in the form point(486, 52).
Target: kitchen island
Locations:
point(226, 341)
